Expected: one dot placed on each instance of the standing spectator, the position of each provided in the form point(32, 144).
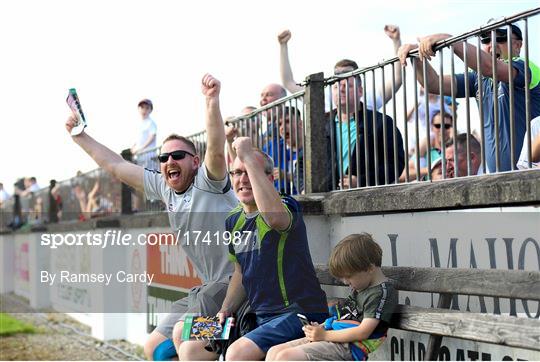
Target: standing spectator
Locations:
point(441, 123)
point(146, 141)
point(501, 67)
point(271, 93)
point(30, 186)
point(269, 122)
point(474, 154)
point(434, 107)
point(55, 202)
point(345, 127)
point(535, 146)
point(288, 155)
point(146, 138)
point(4, 196)
point(287, 79)
point(272, 264)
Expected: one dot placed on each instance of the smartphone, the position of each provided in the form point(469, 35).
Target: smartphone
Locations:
point(73, 102)
point(303, 319)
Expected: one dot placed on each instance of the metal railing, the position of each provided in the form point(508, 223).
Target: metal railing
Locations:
point(278, 130)
point(368, 136)
point(505, 116)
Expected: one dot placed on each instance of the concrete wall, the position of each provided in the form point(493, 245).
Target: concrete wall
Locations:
point(483, 222)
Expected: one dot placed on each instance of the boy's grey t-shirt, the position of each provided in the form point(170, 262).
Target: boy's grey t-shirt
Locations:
point(200, 211)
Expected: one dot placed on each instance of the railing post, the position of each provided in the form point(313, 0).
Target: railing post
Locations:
point(53, 207)
point(317, 157)
point(126, 191)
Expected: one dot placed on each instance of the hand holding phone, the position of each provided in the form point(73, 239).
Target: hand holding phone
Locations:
point(303, 319)
point(73, 102)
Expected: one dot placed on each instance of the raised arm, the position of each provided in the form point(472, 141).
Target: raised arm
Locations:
point(107, 159)
point(432, 76)
point(231, 132)
point(287, 78)
point(215, 152)
point(392, 31)
point(486, 62)
point(266, 197)
point(535, 149)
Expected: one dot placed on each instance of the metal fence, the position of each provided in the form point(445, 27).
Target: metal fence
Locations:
point(85, 196)
point(278, 130)
point(507, 97)
point(369, 127)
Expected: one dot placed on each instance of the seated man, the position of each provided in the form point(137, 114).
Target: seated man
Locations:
point(189, 188)
point(345, 127)
point(475, 155)
point(441, 125)
point(273, 266)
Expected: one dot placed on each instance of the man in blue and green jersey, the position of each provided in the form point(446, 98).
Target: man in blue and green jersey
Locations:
point(273, 266)
point(504, 60)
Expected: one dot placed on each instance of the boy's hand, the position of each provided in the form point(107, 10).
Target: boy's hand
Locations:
point(315, 332)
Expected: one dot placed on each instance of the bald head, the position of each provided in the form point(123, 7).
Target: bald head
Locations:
point(271, 93)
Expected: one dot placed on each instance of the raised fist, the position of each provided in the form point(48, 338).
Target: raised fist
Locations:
point(210, 86)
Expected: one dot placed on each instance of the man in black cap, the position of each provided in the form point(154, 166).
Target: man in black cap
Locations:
point(497, 45)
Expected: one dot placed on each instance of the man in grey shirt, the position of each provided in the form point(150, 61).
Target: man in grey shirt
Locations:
point(198, 198)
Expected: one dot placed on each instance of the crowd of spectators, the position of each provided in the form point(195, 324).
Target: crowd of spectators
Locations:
point(366, 146)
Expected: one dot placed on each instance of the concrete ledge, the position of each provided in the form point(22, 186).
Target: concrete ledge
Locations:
point(507, 189)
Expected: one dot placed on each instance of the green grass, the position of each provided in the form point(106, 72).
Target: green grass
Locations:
point(10, 326)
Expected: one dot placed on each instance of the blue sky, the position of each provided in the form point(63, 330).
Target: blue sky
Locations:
point(118, 52)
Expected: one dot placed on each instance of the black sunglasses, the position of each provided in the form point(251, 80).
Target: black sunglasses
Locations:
point(499, 39)
point(176, 155)
point(446, 125)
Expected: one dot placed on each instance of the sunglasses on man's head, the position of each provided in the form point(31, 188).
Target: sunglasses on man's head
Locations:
point(446, 125)
point(176, 155)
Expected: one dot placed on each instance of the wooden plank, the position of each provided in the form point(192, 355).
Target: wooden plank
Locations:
point(435, 341)
point(489, 328)
point(519, 284)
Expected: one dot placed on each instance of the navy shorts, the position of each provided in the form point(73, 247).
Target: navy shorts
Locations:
point(274, 329)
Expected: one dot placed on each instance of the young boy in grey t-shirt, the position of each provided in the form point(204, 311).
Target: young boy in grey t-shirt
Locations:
point(359, 323)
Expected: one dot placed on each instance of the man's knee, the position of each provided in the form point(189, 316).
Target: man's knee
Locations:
point(244, 349)
point(272, 353)
point(194, 351)
point(154, 339)
point(285, 355)
point(159, 349)
point(148, 349)
point(177, 334)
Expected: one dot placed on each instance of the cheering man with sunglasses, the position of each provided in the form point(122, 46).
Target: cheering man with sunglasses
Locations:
point(497, 45)
point(198, 198)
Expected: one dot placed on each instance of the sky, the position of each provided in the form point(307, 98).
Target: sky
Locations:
point(116, 53)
